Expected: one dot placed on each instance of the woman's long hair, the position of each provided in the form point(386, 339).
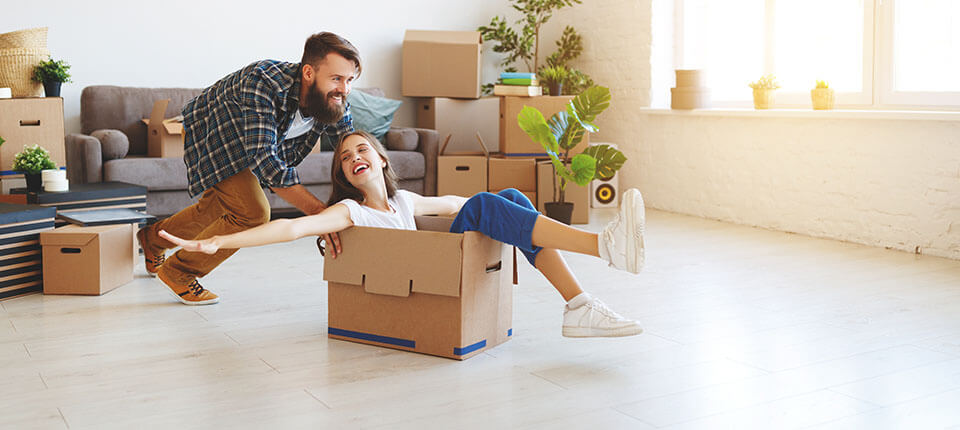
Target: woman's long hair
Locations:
point(342, 188)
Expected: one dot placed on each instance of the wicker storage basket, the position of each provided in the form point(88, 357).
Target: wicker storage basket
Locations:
point(16, 70)
point(29, 38)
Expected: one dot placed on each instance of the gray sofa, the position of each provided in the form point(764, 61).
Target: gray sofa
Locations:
point(112, 146)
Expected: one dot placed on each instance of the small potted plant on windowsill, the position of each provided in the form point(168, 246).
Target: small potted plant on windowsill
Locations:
point(31, 161)
point(560, 136)
point(763, 91)
point(52, 73)
point(822, 96)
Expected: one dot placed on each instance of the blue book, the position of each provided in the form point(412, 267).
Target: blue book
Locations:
point(517, 75)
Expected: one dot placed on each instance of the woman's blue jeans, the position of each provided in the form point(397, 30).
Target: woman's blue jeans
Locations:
point(507, 216)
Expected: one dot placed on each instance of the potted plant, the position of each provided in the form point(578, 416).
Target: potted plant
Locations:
point(560, 136)
point(52, 73)
point(554, 77)
point(822, 96)
point(763, 91)
point(31, 161)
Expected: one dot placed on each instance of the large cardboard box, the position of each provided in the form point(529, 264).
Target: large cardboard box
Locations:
point(519, 173)
point(27, 122)
point(579, 196)
point(441, 64)
point(463, 174)
point(164, 136)
point(427, 291)
point(514, 142)
point(87, 260)
point(462, 119)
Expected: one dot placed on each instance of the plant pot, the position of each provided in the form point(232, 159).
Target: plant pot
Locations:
point(560, 211)
point(823, 98)
point(34, 182)
point(52, 89)
point(762, 98)
point(555, 88)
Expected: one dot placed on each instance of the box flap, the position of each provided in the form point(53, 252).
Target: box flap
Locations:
point(172, 126)
point(159, 108)
point(69, 236)
point(435, 36)
point(483, 147)
point(397, 262)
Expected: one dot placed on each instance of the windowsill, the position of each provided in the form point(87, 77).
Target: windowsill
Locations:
point(810, 113)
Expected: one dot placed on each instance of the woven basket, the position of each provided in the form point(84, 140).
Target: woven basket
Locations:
point(30, 38)
point(16, 70)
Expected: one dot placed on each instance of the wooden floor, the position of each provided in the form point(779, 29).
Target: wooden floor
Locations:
point(745, 328)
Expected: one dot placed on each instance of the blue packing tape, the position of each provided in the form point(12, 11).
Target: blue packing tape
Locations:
point(372, 337)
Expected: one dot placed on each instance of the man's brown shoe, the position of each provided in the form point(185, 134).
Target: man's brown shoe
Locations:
point(189, 294)
point(152, 260)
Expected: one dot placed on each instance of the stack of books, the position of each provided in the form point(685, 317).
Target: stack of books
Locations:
point(517, 84)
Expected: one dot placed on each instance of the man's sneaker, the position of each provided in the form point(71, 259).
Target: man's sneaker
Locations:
point(621, 241)
point(595, 319)
point(152, 259)
point(189, 294)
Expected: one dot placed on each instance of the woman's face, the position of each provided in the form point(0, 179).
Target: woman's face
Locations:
point(360, 162)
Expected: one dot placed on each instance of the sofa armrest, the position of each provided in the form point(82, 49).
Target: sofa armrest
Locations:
point(84, 159)
point(429, 146)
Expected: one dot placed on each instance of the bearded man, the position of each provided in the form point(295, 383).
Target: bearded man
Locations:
point(246, 132)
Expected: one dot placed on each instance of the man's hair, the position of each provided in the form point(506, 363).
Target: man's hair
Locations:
point(321, 44)
point(342, 188)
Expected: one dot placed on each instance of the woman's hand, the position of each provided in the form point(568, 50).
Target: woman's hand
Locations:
point(206, 246)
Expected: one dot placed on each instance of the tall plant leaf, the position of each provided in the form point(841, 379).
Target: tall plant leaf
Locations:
point(609, 160)
point(532, 122)
point(590, 103)
point(583, 167)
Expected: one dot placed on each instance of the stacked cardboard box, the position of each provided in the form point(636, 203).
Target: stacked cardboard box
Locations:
point(27, 122)
point(462, 174)
point(514, 142)
point(164, 136)
point(87, 260)
point(441, 64)
point(21, 270)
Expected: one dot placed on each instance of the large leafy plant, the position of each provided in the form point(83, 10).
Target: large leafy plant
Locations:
point(523, 47)
point(561, 134)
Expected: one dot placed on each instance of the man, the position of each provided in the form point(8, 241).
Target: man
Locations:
point(246, 131)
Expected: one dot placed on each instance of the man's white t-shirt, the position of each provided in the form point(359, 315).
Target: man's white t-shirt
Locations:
point(298, 126)
point(400, 215)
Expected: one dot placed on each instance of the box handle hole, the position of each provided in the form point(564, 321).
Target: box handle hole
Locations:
point(34, 123)
point(462, 168)
point(70, 250)
point(495, 267)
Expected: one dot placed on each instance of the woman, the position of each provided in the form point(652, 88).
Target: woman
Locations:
point(365, 194)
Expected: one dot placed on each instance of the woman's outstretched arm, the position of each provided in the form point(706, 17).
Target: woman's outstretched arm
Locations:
point(443, 205)
point(332, 219)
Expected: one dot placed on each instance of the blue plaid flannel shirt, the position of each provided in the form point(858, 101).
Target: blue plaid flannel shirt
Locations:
point(239, 122)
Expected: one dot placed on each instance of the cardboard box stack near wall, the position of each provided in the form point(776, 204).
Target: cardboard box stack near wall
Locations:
point(514, 142)
point(441, 64)
point(21, 270)
point(519, 173)
point(87, 260)
point(462, 119)
point(462, 174)
point(426, 291)
point(164, 136)
point(579, 196)
point(27, 122)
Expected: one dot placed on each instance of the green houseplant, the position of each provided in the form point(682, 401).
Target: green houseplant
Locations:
point(31, 161)
point(561, 134)
point(52, 73)
point(523, 47)
point(554, 77)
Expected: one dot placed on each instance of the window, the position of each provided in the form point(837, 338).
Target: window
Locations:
point(874, 53)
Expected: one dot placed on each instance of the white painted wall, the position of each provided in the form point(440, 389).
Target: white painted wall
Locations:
point(179, 43)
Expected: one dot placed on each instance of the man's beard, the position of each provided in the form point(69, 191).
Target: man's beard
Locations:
point(322, 107)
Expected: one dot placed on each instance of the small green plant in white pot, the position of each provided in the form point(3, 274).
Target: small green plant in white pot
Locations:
point(31, 161)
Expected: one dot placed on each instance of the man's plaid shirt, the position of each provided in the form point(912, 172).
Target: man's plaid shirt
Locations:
point(238, 122)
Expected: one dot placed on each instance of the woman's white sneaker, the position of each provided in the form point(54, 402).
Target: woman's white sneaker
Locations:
point(621, 241)
point(595, 319)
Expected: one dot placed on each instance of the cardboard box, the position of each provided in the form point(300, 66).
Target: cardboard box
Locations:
point(514, 142)
point(579, 196)
point(164, 136)
point(462, 174)
point(87, 260)
point(426, 291)
point(27, 122)
point(441, 64)
point(462, 119)
point(519, 173)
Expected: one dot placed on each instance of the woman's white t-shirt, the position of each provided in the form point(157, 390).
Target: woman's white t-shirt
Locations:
point(400, 217)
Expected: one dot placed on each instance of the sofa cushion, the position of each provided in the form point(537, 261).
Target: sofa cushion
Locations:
point(371, 113)
point(156, 174)
point(402, 139)
point(113, 143)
